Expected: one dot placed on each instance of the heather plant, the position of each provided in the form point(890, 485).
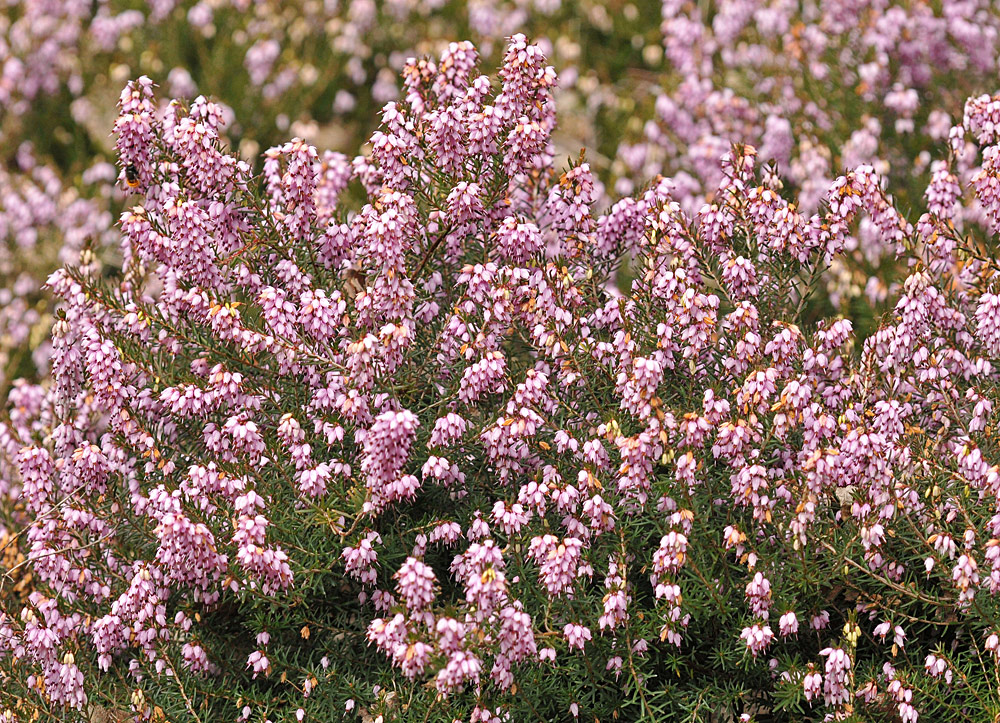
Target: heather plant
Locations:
point(817, 88)
point(422, 459)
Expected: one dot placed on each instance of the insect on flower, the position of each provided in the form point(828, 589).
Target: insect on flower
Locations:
point(354, 281)
point(131, 176)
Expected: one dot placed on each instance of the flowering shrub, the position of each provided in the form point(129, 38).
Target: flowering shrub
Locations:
point(423, 461)
point(818, 89)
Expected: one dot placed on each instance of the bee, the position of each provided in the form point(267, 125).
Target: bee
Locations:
point(355, 281)
point(131, 176)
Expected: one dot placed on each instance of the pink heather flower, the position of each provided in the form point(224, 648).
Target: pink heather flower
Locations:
point(312, 482)
point(195, 138)
point(902, 695)
point(447, 429)
point(749, 487)
point(733, 538)
point(716, 225)
point(360, 561)
point(440, 469)
point(988, 322)
point(907, 713)
point(64, 684)
point(600, 514)
point(196, 659)
point(883, 629)
point(412, 659)
point(576, 635)
point(478, 529)
point(965, 575)
point(812, 685)
point(534, 497)
point(36, 468)
point(485, 376)
point(511, 518)
point(333, 173)
point(386, 448)
point(526, 78)
point(559, 562)
point(392, 144)
point(320, 315)
point(615, 663)
point(980, 412)
point(670, 556)
point(518, 241)
point(838, 670)
point(238, 436)
point(461, 667)
point(758, 593)
point(450, 634)
point(638, 454)
point(986, 183)
point(758, 389)
point(458, 61)
point(268, 564)
point(387, 634)
point(788, 624)
point(820, 621)
point(259, 662)
point(186, 549)
point(517, 641)
point(956, 140)
point(616, 600)
point(982, 118)
point(333, 310)
point(568, 206)
point(528, 140)
point(639, 388)
point(485, 126)
point(445, 126)
point(464, 202)
point(937, 667)
point(385, 228)
point(740, 277)
point(447, 533)
point(992, 644)
point(481, 568)
point(943, 193)
point(134, 129)
point(415, 583)
point(757, 638)
point(620, 228)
